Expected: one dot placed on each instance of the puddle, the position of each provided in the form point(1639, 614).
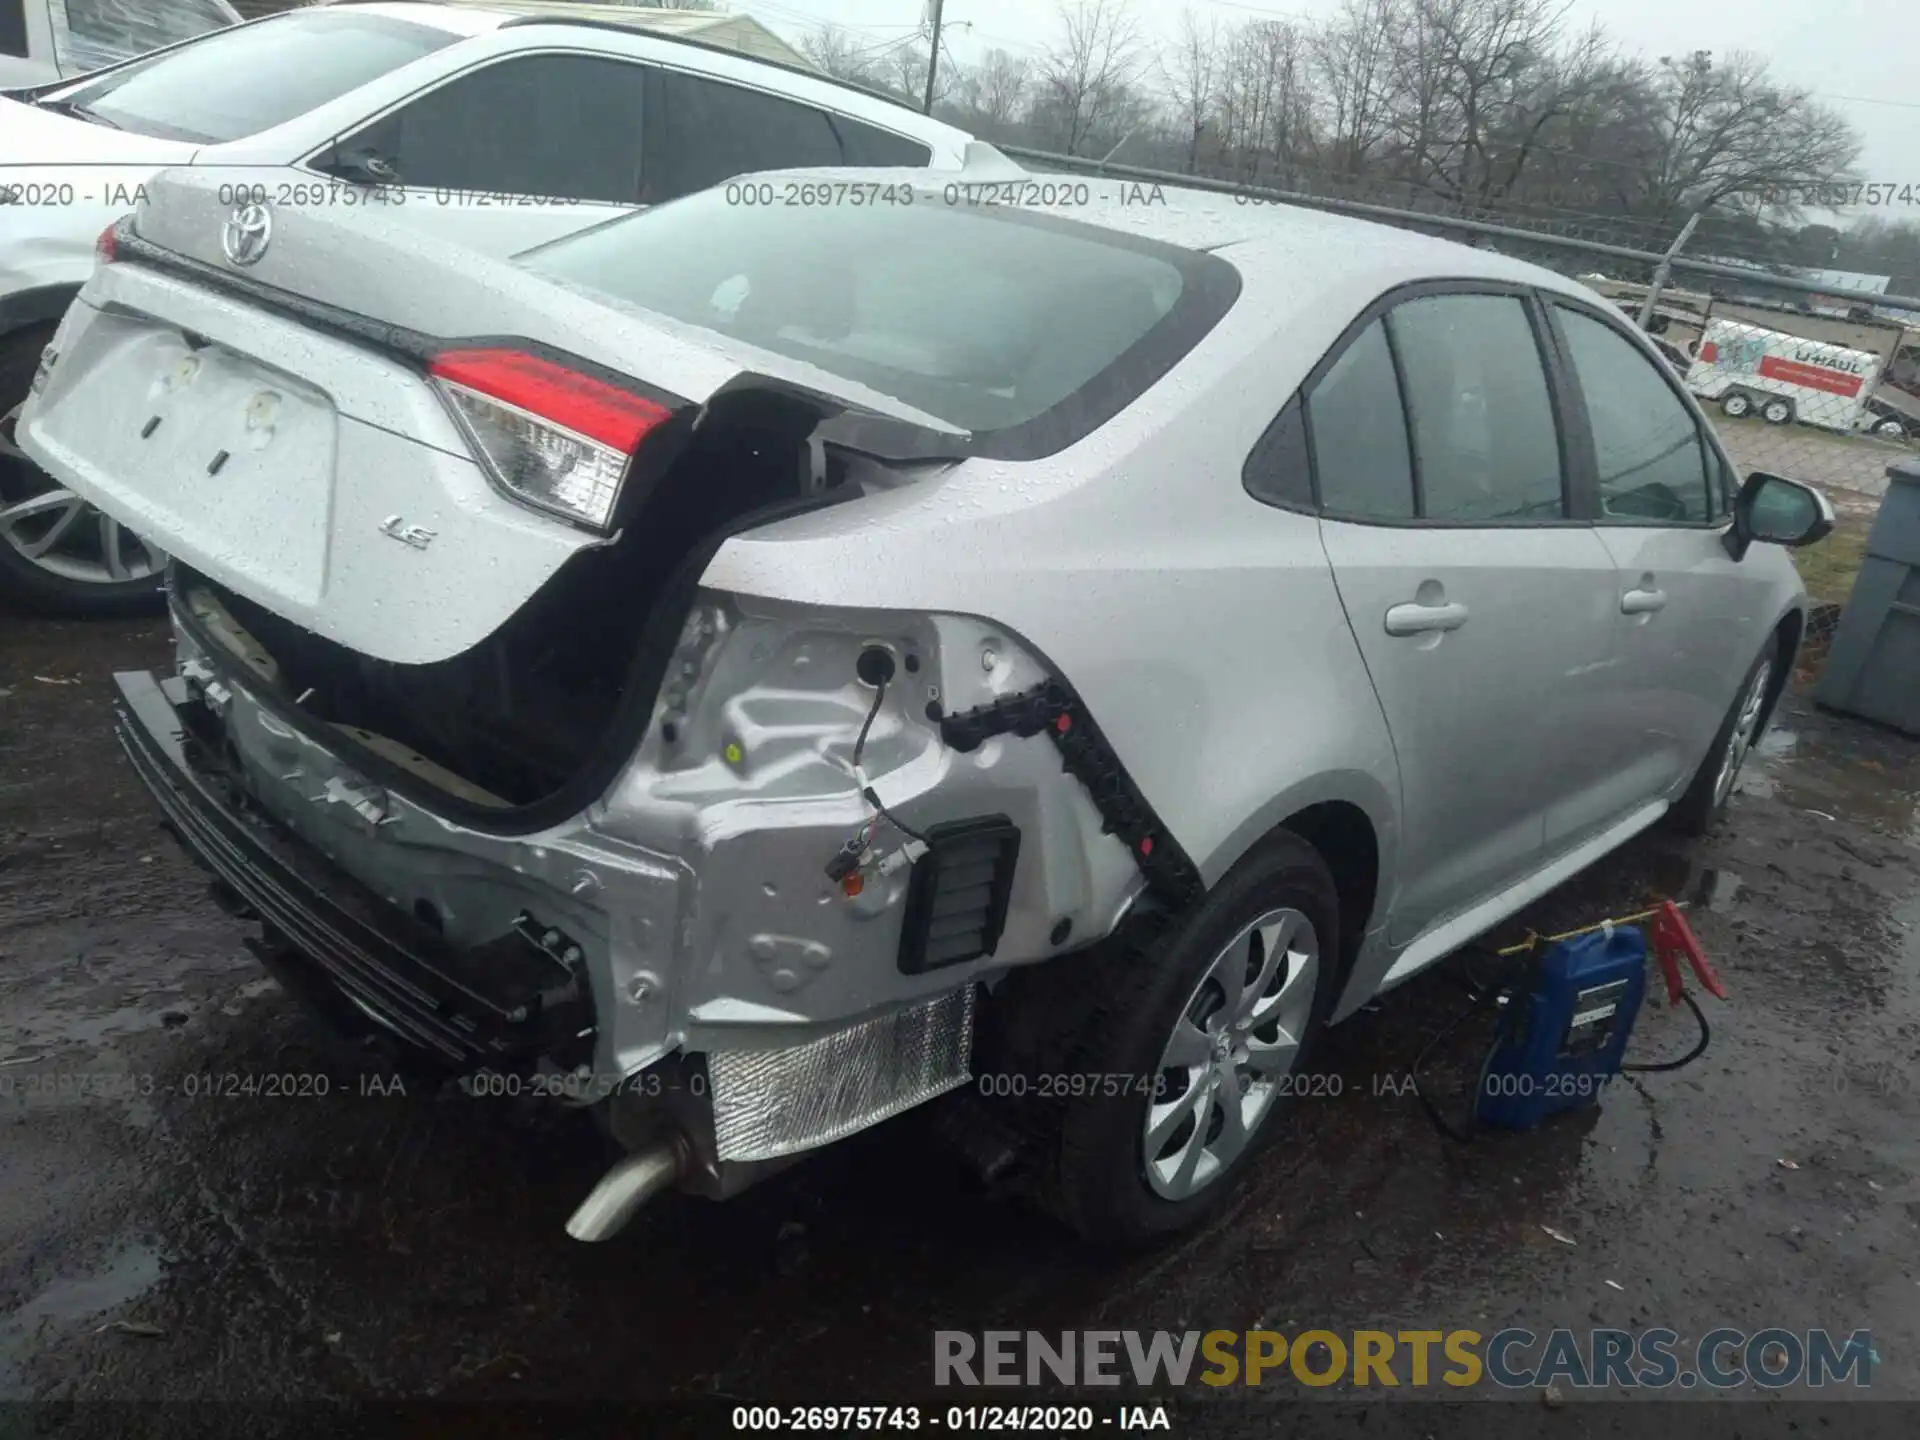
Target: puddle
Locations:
point(1716, 889)
point(128, 1274)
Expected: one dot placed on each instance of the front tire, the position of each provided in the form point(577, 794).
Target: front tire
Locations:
point(1776, 412)
point(1209, 1024)
point(1736, 406)
point(1700, 809)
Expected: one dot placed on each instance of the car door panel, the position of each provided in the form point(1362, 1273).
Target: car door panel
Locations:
point(1485, 701)
point(1484, 615)
point(1690, 618)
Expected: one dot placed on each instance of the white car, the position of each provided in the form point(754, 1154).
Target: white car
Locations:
point(709, 658)
point(45, 41)
point(461, 115)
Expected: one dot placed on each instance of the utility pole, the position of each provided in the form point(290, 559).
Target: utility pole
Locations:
point(933, 57)
point(1664, 270)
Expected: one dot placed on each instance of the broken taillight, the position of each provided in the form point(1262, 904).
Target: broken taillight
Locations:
point(107, 247)
point(552, 437)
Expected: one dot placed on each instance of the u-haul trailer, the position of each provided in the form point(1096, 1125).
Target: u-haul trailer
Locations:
point(1786, 378)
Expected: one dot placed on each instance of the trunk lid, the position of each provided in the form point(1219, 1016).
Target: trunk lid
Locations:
point(306, 466)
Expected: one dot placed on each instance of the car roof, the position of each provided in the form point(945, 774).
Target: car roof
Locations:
point(469, 18)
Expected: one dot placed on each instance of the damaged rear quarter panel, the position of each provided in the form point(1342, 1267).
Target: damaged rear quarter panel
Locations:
point(1201, 627)
point(747, 778)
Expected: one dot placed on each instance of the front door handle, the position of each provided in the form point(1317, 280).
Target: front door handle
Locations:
point(1643, 602)
point(1424, 619)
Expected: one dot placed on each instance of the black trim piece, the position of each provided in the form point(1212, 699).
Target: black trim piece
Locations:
point(999, 837)
point(1086, 755)
point(1389, 331)
point(30, 307)
point(1580, 488)
point(506, 1003)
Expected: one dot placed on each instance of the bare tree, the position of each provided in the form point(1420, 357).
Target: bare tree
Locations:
point(1728, 134)
point(903, 70)
point(1352, 60)
point(839, 54)
point(1089, 67)
point(1265, 120)
point(1190, 75)
point(994, 94)
point(1464, 71)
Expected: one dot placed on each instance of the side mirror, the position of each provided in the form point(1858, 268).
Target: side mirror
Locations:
point(1778, 511)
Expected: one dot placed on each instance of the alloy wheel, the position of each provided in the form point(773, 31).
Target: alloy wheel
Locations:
point(1227, 1061)
point(57, 531)
point(1740, 742)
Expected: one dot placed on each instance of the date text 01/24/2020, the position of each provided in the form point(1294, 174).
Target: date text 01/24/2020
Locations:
point(904, 1419)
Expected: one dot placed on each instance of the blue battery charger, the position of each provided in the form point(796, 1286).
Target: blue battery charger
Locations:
point(1562, 1042)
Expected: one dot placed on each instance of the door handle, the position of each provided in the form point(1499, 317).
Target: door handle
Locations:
point(1643, 602)
point(1424, 619)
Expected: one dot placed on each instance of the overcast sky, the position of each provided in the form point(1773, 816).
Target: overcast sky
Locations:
point(1863, 56)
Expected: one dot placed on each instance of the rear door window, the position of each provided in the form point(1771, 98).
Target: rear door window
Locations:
point(713, 131)
point(1486, 447)
point(1358, 433)
point(1651, 456)
point(567, 127)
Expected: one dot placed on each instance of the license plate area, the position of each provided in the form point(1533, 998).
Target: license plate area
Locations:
point(198, 447)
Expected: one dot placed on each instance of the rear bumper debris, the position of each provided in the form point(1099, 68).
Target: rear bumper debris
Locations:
point(503, 1004)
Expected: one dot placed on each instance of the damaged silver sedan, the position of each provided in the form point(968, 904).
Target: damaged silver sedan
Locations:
point(771, 666)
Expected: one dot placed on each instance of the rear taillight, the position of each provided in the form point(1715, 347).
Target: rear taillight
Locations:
point(552, 437)
point(107, 247)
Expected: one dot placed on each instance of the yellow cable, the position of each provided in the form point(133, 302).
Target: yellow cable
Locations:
point(1535, 938)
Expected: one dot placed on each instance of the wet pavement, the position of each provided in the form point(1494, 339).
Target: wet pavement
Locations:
point(164, 1234)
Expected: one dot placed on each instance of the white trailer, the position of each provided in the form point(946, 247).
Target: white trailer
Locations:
point(1786, 378)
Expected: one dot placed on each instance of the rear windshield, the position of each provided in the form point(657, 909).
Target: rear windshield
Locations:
point(997, 321)
point(241, 81)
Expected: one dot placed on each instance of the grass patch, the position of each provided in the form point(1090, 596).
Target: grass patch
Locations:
point(1829, 567)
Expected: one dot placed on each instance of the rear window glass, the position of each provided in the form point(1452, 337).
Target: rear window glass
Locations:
point(989, 320)
point(240, 81)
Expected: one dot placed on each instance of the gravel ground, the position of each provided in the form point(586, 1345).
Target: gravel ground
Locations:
point(156, 1245)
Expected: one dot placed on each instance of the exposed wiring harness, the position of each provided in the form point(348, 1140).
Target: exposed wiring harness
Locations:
point(848, 858)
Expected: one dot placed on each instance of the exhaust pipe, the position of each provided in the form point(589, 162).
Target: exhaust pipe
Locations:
point(626, 1187)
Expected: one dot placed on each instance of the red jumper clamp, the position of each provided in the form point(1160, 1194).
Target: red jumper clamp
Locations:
point(1672, 942)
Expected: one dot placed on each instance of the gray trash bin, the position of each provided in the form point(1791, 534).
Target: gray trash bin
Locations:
point(1873, 669)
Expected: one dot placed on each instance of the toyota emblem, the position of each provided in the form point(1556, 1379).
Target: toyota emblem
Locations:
point(245, 235)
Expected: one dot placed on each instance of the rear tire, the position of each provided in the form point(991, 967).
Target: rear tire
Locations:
point(1735, 406)
point(24, 583)
point(1776, 412)
point(1700, 809)
point(1890, 429)
point(1209, 1020)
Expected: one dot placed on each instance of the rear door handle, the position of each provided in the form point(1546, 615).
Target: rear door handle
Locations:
point(1424, 619)
point(1643, 602)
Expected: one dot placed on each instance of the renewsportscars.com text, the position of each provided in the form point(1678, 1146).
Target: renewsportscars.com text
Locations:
point(1512, 1358)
